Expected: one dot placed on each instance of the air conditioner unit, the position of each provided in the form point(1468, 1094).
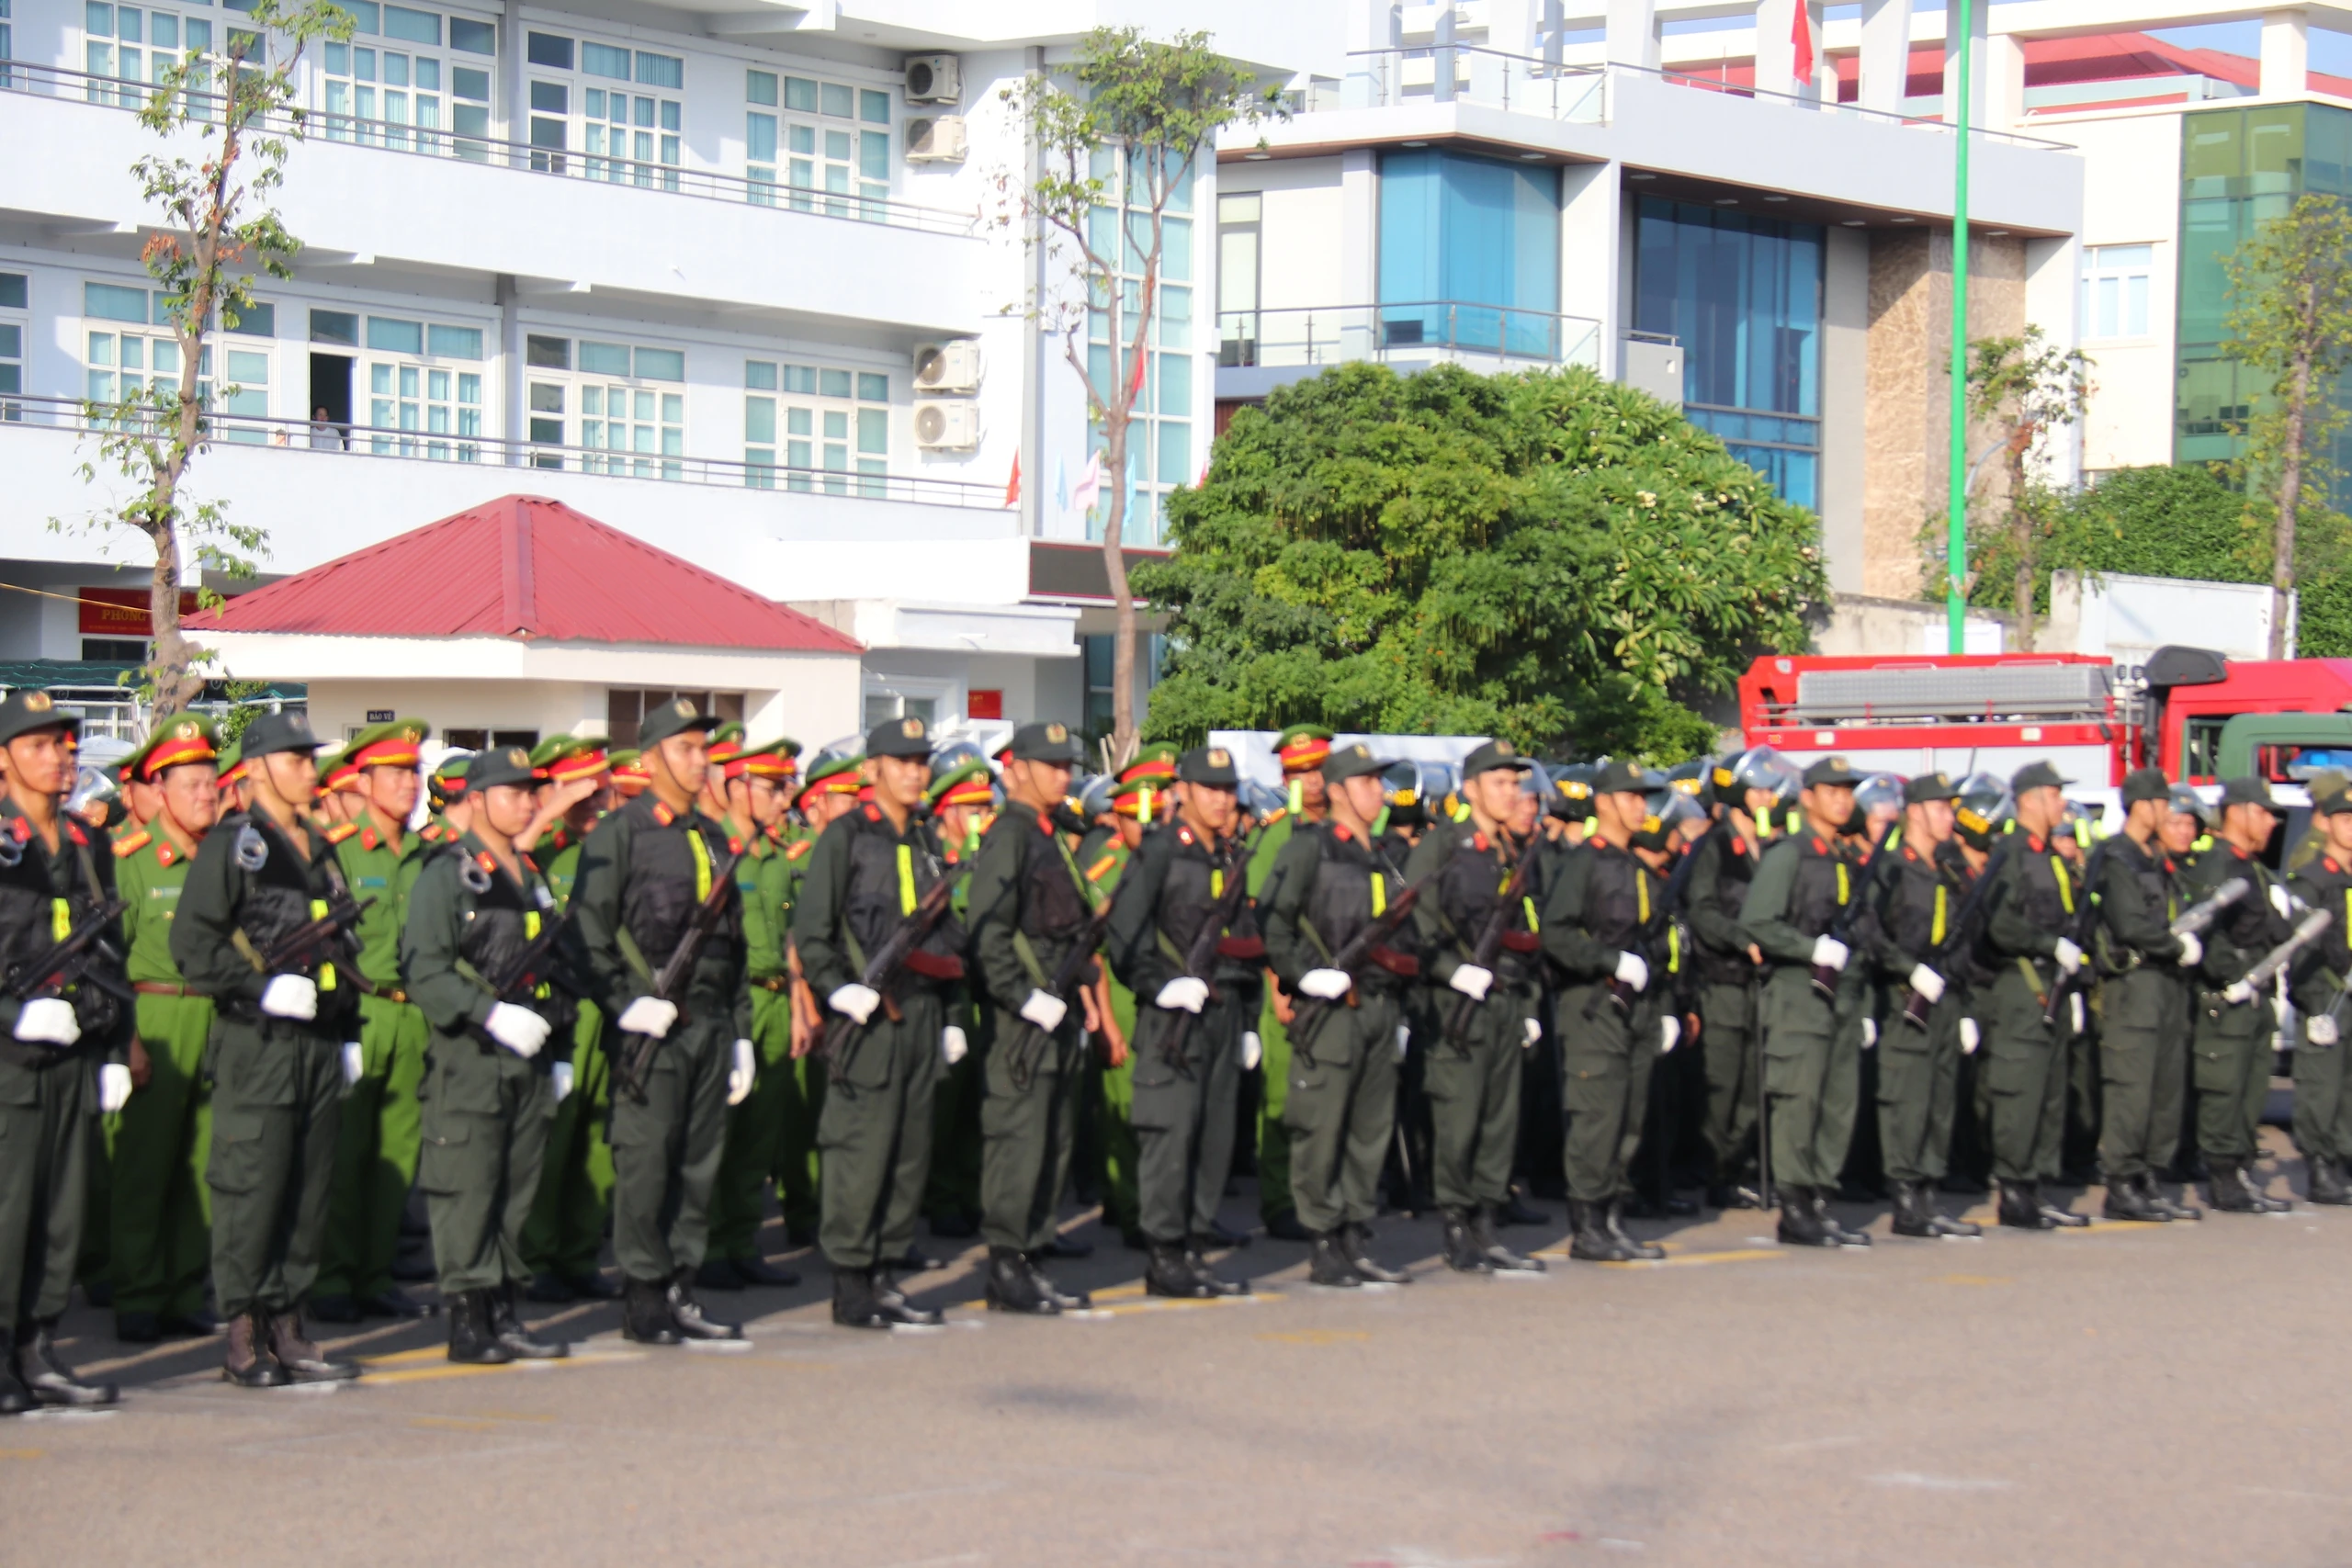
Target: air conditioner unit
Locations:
point(950, 366)
point(935, 139)
point(947, 427)
point(934, 79)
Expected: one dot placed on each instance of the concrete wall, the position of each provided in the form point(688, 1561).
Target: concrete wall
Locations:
point(1845, 410)
point(1863, 625)
point(2130, 423)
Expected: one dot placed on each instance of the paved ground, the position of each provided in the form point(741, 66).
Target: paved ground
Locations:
point(2123, 1395)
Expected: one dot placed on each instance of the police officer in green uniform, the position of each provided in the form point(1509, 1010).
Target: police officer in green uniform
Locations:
point(1029, 903)
point(1189, 1036)
point(1595, 911)
point(161, 1245)
point(1812, 1072)
point(1300, 750)
point(829, 791)
point(64, 1057)
point(868, 875)
point(1332, 881)
point(1104, 855)
point(1914, 901)
point(2323, 1109)
point(1726, 967)
point(644, 871)
point(2146, 973)
point(2233, 1023)
point(960, 800)
point(1472, 1075)
point(282, 1054)
point(477, 909)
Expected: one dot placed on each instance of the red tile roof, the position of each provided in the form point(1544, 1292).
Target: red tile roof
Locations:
point(527, 568)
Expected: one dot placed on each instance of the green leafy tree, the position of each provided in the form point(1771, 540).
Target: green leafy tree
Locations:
point(2291, 316)
point(217, 232)
point(1545, 556)
point(2024, 388)
point(1116, 134)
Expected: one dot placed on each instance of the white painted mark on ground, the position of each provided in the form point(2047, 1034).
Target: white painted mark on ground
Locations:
point(1938, 1482)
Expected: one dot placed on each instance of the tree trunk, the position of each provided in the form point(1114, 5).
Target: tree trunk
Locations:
point(2021, 543)
point(2290, 496)
point(1114, 566)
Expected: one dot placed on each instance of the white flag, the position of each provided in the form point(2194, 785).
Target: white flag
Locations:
point(1089, 488)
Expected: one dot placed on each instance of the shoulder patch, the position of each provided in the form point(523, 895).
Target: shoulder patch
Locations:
point(1101, 868)
point(341, 831)
point(124, 847)
point(2327, 861)
point(1275, 816)
point(367, 837)
point(1183, 835)
point(165, 854)
point(73, 830)
point(798, 847)
point(431, 832)
point(1339, 831)
point(1478, 841)
point(664, 814)
point(734, 844)
point(487, 861)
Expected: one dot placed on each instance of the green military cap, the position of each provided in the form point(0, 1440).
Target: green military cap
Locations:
point(397, 744)
point(679, 715)
point(501, 765)
point(1492, 755)
point(1046, 741)
point(908, 736)
point(1352, 761)
point(2145, 783)
point(272, 732)
point(1621, 778)
point(2334, 803)
point(181, 739)
point(1210, 765)
point(2247, 792)
point(27, 709)
point(959, 784)
point(1833, 772)
point(1930, 786)
point(2183, 799)
point(2037, 776)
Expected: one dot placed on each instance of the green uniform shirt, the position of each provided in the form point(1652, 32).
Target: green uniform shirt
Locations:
point(150, 870)
point(375, 870)
point(557, 855)
point(645, 840)
point(447, 985)
point(1001, 895)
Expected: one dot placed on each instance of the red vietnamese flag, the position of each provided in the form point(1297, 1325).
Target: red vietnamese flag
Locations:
point(1801, 40)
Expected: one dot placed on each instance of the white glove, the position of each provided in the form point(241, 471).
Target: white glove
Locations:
point(354, 1062)
point(1971, 1037)
point(2319, 1029)
point(1634, 970)
point(520, 1029)
point(1404, 1040)
point(1326, 985)
point(2192, 949)
point(739, 1076)
point(2076, 1003)
point(651, 1015)
point(2282, 901)
point(1927, 983)
point(2069, 956)
point(1472, 981)
point(290, 996)
point(856, 1001)
point(1183, 992)
point(1534, 1032)
point(1828, 952)
point(561, 1074)
point(48, 1021)
point(2237, 993)
point(1869, 1033)
point(1253, 1051)
point(1670, 1034)
point(953, 1047)
point(1044, 1010)
point(114, 1088)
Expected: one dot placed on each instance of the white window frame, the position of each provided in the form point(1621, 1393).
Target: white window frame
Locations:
point(800, 406)
point(583, 395)
point(2096, 270)
point(445, 427)
point(655, 150)
point(102, 55)
point(824, 139)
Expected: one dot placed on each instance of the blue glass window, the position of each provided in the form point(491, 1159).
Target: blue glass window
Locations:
point(1472, 246)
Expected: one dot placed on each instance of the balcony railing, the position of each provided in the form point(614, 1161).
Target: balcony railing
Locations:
point(1332, 335)
point(559, 162)
point(309, 436)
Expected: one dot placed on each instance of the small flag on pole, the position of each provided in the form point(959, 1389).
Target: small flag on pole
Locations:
point(1013, 486)
point(1801, 39)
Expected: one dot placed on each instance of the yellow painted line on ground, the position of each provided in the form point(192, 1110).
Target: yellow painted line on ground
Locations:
point(431, 1352)
point(1734, 1255)
point(1316, 1337)
point(24, 1453)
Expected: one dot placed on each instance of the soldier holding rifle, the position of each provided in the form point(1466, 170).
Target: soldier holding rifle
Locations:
point(2323, 1109)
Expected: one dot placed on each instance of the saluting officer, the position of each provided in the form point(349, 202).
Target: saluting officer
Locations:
point(2323, 1109)
point(280, 1059)
point(2143, 1005)
point(645, 871)
point(487, 1096)
point(1189, 1039)
point(1029, 903)
point(1472, 1076)
point(2234, 1021)
point(1332, 881)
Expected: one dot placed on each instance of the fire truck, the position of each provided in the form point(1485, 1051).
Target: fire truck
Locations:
point(2193, 713)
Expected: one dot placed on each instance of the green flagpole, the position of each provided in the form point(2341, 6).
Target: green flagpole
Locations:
point(1956, 542)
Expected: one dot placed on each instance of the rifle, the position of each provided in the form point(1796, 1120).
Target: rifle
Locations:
point(1824, 980)
point(886, 962)
point(635, 1058)
point(1678, 883)
point(1370, 942)
point(1496, 935)
point(322, 940)
point(1208, 945)
point(1956, 930)
point(2193, 922)
point(69, 959)
point(1022, 1062)
point(2308, 931)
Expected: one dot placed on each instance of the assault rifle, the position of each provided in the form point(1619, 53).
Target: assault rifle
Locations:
point(1825, 979)
point(635, 1058)
point(1371, 943)
point(2309, 929)
point(2195, 921)
point(1022, 1062)
point(323, 941)
point(69, 960)
point(1209, 945)
point(885, 966)
point(1677, 884)
point(1496, 935)
point(1957, 930)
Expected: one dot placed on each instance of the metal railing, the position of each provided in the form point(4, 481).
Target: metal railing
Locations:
point(300, 435)
point(562, 163)
point(1331, 335)
point(1847, 111)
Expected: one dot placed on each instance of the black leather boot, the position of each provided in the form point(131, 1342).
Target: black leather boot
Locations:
point(2328, 1185)
point(1828, 1221)
point(247, 1362)
point(1169, 1273)
point(2264, 1203)
point(304, 1361)
point(51, 1379)
point(1913, 1215)
point(854, 1303)
point(15, 1397)
point(1944, 1225)
point(2021, 1207)
point(645, 1314)
point(1640, 1251)
point(1463, 1254)
point(2163, 1203)
point(1591, 1241)
point(1216, 1283)
point(472, 1341)
point(896, 1310)
point(1798, 1226)
point(1328, 1266)
point(2126, 1202)
point(2231, 1193)
point(1355, 1245)
point(1009, 1287)
point(1492, 1251)
point(506, 1321)
point(2060, 1217)
point(687, 1314)
point(1064, 1301)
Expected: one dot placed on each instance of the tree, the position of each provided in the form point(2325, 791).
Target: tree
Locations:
point(2024, 388)
point(218, 232)
point(2291, 316)
point(1547, 556)
point(1114, 145)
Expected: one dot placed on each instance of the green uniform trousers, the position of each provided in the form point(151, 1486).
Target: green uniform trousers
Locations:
point(277, 1105)
point(1472, 1081)
point(874, 1134)
point(1114, 1108)
point(953, 1186)
point(2143, 1049)
point(754, 1131)
point(566, 1231)
point(1918, 1085)
point(375, 1152)
point(1606, 1056)
point(1273, 1131)
point(1183, 1114)
point(1340, 1110)
point(45, 1114)
point(1812, 1073)
point(2322, 1110)
point(486, 1113)
point(1028, 1117)
point(2025, 1079)
point(666, 1151)
point(2232, 1061)
point(1728, 1047)
point(161, 1227)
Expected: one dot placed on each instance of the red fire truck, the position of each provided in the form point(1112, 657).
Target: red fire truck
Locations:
point(2191, 711)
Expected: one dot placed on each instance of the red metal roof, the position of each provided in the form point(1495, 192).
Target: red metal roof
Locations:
point(527, 568)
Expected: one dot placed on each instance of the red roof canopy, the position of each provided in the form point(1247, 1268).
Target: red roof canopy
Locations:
point(528, 568)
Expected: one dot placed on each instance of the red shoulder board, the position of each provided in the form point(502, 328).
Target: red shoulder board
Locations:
point(126, 847)
point(1478, 841)
point(341, 831)
point(487, 861)
point(367, 837)
point(2329, 862)
point(2033, 842)
point(1818, 847)
point(430, 831)
point(664, 814)
point(1043, 826)
point(22, 828)
point(75, 830)
point(800, 847)
point(734, 845)
point(1101, 868)
point(165, 854)
point(1339, 831)
point(528, 859)
point(872, 812)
